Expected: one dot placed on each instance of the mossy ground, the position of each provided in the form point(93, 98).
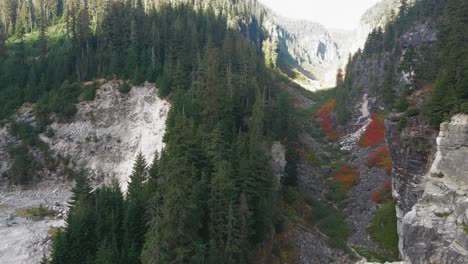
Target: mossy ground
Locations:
point(383, 230)
point(35, 213)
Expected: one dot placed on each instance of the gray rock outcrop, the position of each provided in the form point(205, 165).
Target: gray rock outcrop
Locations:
point(106, 134)
point(430, 189)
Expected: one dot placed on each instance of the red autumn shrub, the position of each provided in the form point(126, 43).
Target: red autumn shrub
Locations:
point(346, 176)
point(325, 114)
point(381, 158)
point(374, 134)
point(383, 194)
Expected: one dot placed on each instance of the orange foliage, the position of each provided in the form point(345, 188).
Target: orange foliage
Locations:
point(346, 176)
point(383, 194)
point(381, 158)
point(374, 134)
point(325, 114)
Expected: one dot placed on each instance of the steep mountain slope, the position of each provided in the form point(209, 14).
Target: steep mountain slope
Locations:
point(380, 14)
point(415, 67)
point(211, 195)
point(254, 169)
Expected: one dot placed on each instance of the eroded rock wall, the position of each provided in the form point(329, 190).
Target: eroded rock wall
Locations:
point(106, 134)
point(430, 181)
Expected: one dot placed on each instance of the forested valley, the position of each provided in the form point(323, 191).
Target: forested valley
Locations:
point(211, 195)
point(210, 198)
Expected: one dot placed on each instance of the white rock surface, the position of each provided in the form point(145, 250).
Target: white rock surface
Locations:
point(25, 240)
point(433, 231)
point(106, 134)
point(349, 142)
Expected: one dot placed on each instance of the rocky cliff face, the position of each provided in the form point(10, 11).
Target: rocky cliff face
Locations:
point(430, 173)
point(107, 134)
point(430, 181)
point(104, 137)
point(411, 149)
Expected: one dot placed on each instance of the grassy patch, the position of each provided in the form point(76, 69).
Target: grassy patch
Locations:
point(3, 206)
point(442, 215)
point(336, 193)
point(465, 228)
point(53, 231)
point(383, 230)
point(35, 213)
point(331, 222)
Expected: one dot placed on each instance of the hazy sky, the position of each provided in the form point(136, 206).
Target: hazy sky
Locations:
point(343, 14)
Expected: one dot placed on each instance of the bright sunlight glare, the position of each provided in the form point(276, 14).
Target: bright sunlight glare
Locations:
point(339, 14)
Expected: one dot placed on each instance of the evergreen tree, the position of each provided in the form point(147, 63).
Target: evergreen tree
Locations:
point(388, 93)
point(342, 111)
point(134, 224)
point(409, 61)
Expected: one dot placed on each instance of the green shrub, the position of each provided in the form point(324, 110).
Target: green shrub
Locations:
point(402, 123)
point(125, 88)
point(331, 222)
point(50, 133)
point(23, 165)
point(383, 229)
point(336, 193)
point(24, 132)
point(279, 225)
point(90, 92)
point(290, 194)
point(402, 104)
point(311, 157)
point(412, 112)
